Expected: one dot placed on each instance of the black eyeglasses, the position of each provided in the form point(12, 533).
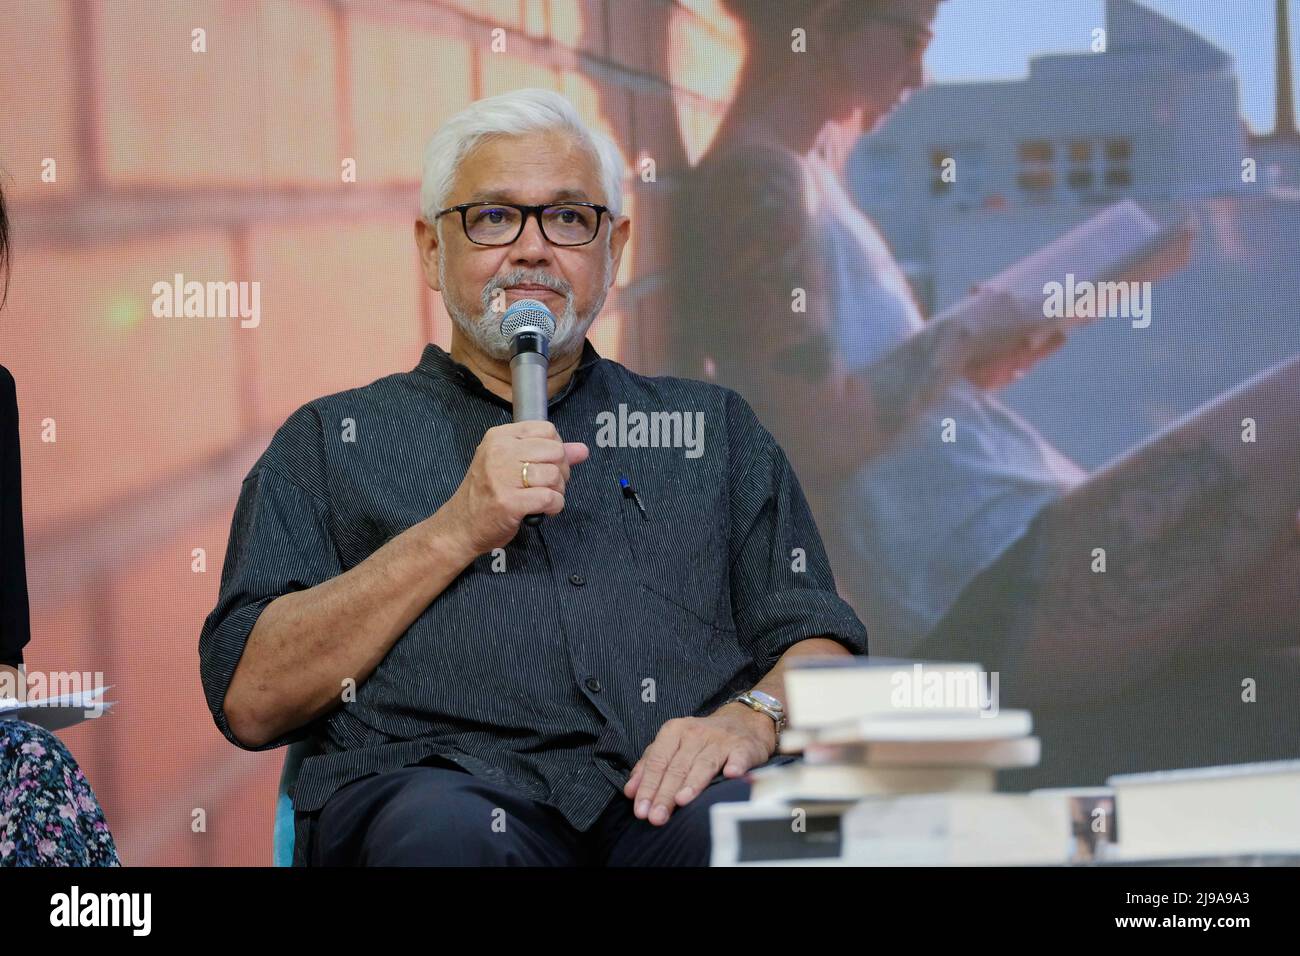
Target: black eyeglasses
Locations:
point(501, 223)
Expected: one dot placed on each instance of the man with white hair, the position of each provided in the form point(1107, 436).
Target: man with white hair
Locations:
point(485, 691)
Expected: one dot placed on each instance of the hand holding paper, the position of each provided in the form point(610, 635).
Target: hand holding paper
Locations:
point(55, 713)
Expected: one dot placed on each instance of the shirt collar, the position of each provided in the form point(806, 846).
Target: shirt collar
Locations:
point(438, 363)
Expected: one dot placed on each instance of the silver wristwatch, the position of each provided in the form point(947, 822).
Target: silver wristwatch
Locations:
point(764, 703)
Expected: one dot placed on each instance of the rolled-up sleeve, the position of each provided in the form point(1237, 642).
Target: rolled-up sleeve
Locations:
point(280, 542)
point(783, 589)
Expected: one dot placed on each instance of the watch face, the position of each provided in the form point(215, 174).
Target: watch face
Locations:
point(767, 699)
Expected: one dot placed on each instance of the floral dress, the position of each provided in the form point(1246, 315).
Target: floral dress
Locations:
point(48, 813)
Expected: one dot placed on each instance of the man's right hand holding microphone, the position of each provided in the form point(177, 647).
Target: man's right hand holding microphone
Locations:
point(487, 508)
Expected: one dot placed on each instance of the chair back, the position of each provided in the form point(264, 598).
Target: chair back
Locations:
point(283, 836)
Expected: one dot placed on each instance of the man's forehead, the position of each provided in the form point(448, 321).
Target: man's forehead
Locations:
point(517, 194)
point(514, 169)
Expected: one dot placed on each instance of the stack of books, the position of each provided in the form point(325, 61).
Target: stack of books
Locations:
point(877, 726)
point(899, 767)
point(1211, 813)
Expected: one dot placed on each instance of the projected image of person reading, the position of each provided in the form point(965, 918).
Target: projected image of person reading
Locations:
point(957, 530)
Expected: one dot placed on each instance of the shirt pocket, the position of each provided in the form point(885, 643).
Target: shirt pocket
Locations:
point(679, 553)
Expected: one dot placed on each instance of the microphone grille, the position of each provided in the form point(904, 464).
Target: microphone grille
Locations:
point(530, 315)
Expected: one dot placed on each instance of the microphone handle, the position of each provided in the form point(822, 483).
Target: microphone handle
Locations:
point(528, 381)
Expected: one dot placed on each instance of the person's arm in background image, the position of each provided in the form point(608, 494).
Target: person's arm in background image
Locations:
point(746, 217)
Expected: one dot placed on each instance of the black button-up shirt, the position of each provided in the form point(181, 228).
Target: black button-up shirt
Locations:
point(550, 666)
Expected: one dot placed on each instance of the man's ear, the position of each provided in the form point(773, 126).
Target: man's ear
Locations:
point(426, 240)
point(619, 234)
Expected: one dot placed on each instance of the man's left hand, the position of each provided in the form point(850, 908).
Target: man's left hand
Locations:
point(687, 753)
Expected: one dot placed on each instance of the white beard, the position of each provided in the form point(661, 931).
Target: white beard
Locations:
point(484, 328)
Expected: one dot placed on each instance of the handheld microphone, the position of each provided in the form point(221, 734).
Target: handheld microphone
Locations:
point(529, 325)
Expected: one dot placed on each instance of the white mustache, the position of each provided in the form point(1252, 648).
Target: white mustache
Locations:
point(490, 289)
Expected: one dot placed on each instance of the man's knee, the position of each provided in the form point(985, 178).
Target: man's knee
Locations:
point(686, 839)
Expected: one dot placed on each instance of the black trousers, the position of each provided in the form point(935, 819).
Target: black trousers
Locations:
point(437, 814)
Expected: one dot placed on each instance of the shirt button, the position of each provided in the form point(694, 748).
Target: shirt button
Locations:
point(593, 685)
point(577, 580)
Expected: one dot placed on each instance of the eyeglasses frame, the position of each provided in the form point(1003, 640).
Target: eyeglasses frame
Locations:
point(526, 211)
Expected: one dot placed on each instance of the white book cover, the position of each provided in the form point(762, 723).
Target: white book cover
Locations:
point(1236, 809)
point(829, 690)
point(999, 754)
point(958, 829)
point(803, 781)
point(1000, 725)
